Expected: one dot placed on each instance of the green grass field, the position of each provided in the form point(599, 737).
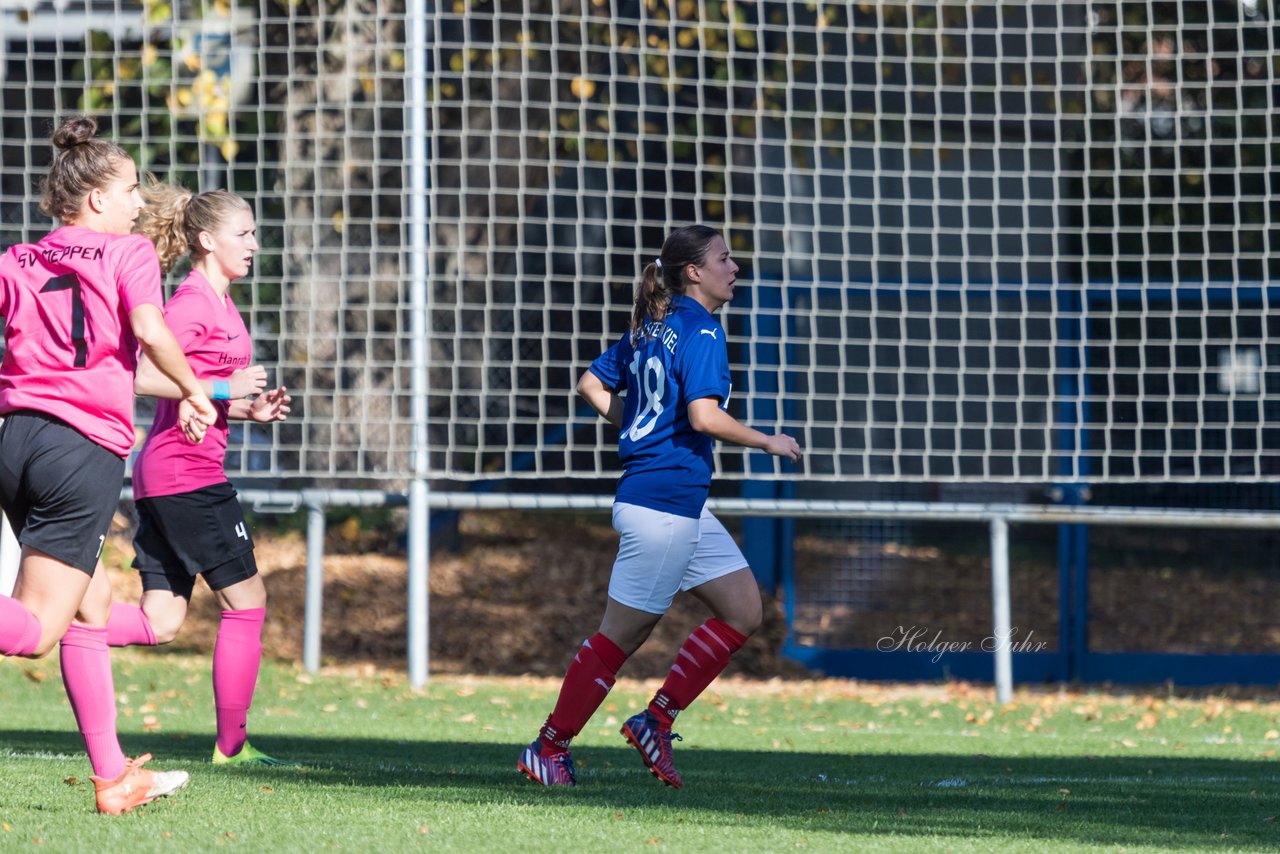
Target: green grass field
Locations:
point(827, 766)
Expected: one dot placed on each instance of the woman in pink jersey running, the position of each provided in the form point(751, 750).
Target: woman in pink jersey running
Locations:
point(77, 305)
point(189, 519)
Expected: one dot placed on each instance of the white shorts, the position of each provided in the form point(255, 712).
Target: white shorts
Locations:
point(662, 553)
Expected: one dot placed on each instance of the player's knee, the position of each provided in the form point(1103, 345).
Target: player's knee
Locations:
point(745, 616)
point(748, 620)
point(166, 626)
point(631, 639)
point(43, 648)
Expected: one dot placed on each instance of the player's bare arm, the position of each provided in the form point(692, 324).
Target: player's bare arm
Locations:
point(149, 381)
point(195, 412)
point(602, 400)
point(706, 416)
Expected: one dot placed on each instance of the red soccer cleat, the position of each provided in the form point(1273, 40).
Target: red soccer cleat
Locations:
point(554, 770)
point(654, 744)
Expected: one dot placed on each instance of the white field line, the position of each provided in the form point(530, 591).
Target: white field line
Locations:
point(6, 753)
point(1015, 781)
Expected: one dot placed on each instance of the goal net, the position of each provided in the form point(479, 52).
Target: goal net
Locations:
point(1023, 242)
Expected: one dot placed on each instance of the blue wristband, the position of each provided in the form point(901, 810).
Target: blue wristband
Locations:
point(221, 390)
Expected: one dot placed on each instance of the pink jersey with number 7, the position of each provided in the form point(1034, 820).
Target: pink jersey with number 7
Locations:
point(69, 345)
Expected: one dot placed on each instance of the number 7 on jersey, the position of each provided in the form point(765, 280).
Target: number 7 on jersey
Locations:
point(71, 282)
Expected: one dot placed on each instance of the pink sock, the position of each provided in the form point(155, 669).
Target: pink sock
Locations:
point(86, 673)
point(19, 628)
point(129, 626)
point(236, 656)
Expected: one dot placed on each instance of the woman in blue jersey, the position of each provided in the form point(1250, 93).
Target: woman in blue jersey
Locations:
point(673, 366)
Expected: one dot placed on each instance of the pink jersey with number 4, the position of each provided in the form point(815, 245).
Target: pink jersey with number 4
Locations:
point(216, 341)
point(69, 345)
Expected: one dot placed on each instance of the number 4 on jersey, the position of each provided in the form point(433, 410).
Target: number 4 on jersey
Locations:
point(71, 282)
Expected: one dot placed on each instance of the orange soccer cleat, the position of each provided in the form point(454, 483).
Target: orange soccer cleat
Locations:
point(136, 786)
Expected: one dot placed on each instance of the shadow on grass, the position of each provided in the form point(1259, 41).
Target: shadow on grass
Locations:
point(1160, 801)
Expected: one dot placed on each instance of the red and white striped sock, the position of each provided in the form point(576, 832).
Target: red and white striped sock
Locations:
point(701, 658)
point(587, 682)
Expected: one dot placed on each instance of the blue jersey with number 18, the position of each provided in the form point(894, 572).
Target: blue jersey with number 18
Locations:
point(667, 464)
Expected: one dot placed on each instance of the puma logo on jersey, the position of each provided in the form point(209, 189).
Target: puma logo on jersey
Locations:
point(710, 332)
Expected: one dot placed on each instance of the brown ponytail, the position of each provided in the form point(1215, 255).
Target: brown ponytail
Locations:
point(665, 276)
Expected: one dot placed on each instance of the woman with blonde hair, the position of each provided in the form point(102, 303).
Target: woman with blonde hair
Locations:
point(189, 519)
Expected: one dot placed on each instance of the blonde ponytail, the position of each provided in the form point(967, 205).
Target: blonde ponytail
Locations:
point(164, 219)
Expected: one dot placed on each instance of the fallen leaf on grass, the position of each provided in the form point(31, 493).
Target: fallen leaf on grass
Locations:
point(34, 675)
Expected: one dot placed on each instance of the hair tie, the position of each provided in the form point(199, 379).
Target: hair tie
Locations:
point(657, 262)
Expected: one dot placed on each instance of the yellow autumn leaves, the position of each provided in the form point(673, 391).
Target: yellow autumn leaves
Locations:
point(207, 99)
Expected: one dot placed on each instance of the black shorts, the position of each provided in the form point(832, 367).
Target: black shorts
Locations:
point(202, 532)
point(59, 488)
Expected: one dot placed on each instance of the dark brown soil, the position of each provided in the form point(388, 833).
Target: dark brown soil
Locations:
point(518, 596)
point(517, 593)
